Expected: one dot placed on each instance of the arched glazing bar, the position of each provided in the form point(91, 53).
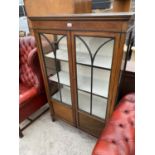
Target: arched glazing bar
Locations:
point(52, 45)
point(101, 47)
point(60, 39)
point(90, 54)
point(92, 58)
point(56, 43)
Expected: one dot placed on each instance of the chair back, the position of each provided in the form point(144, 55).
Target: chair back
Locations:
point(26, 74)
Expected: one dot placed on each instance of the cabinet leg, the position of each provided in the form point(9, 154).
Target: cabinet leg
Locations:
point(52, 113)
point(20, 133)
point(52, 118)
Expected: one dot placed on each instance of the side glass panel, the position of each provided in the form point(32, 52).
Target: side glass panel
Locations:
point(93, 62)
point(55, 54)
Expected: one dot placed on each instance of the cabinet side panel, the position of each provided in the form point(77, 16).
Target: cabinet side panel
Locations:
point(115, 75)
point(43, 70)
point(42, 65)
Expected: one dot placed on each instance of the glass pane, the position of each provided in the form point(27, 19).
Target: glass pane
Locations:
point(94, 61)
point(65, 93)
point(101, 82)
point(99, 106)
point(55, 52)
point(83, 78)
point(84, 101)
point(100, 50)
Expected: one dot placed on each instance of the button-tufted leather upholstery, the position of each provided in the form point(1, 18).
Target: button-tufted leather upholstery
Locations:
point(118, 136)
point(26, 74)
point(31, 90)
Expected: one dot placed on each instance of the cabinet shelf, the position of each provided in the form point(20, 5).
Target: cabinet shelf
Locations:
point(82, 58)
point(60, 55)
point(100, 61)
point(100, 88)
point(99, 106)
point(63, 77)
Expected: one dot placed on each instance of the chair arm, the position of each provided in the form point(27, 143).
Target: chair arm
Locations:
point(27, 95)
point(33, 62)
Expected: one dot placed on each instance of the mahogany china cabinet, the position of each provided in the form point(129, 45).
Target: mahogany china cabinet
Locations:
point(82, 57)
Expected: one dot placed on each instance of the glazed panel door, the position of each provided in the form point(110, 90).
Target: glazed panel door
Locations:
point(94, 61)
point(57, 66)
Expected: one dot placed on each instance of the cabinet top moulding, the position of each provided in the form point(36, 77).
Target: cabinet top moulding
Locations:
point(112, 22)
point(123, 16)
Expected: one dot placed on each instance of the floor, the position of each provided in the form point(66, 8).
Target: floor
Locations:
point(45, 137)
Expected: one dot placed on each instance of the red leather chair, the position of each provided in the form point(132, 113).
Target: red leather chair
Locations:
point(118, 136)
point(31, 89)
